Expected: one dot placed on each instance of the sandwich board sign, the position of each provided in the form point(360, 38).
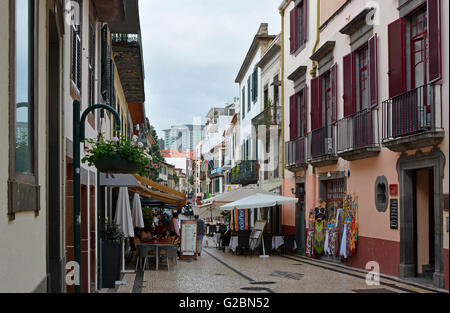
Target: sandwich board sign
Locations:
point(188, 240)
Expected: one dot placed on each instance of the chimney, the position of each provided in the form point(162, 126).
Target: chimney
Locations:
point(263, 29)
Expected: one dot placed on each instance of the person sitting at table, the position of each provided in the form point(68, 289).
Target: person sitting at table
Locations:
point(161, 230)
point(146, 234)
point(137, 232)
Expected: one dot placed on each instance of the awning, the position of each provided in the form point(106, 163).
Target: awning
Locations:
point(142, 186)
point(258, 201)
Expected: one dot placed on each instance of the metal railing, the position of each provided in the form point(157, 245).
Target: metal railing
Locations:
point(270, 116)
point(417, 110)
point(295, 152)
point(358, 131)
point(125, 38)
point(321, 142)
point(244, 173)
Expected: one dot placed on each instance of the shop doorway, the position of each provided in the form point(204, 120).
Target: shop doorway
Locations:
point(421, 217)
point(300, 231)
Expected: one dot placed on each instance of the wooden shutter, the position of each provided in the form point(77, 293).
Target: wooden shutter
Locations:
point(316, 107)
point(305, 21)
point(373, 71)
point(78, 58)
point(292, 117)
point(397, 58)
point(349, 84)
point(111, 88)
point(333, 78)
point(434, 41)
point(304, 110)
point(293, 34)
point(105, 64)
point(249, 94)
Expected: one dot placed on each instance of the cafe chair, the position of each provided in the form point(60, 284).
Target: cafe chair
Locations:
point(170, 253)
point(145, 252)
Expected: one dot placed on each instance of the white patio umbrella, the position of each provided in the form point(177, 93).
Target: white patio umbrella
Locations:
point(124, 220)
point(258, 201)
point(123, 213)
point(138, 219)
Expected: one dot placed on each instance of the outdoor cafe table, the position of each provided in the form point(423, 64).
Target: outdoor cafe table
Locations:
point(158, 244)
point(233, 243)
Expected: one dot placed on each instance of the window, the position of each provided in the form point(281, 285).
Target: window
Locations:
point(298, 114)
point(23, 189)
point(243, 102)
point(299, 26)
point(276, 91)
point(266, 96)
point(255, 85)
point(249, 96)
point(324, 99)
point(361, 78)
point(415, 49)
point(76, 48)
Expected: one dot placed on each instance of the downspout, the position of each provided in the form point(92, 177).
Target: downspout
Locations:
point(313, 73)
point(282, 95)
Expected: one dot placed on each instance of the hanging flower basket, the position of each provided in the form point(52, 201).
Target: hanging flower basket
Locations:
point(118, 156)
point(116, 164)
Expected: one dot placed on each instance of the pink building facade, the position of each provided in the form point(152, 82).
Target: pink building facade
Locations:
point(366, 106)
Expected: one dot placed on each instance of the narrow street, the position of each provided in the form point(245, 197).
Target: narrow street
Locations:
point(219, 272)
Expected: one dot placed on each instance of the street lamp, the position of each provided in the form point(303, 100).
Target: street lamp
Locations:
point(78, 138)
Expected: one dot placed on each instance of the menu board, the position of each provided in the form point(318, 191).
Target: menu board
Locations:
point(188, 238)
point(258, 230)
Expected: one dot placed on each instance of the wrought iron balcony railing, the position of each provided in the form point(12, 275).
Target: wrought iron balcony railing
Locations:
point(415, 111)
point(295, 153)
point(321, 143)
point(358, 131)
point(270, 116)
point(244, 173)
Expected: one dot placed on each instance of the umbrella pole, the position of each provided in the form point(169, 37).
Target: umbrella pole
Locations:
point(264, 256)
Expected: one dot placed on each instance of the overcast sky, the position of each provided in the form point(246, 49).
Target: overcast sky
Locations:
point(193, 50)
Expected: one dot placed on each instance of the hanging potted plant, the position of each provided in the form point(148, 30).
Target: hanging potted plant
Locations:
point(111, 254)
point(118, 156)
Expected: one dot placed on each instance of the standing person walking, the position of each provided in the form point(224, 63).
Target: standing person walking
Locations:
point(174, 226)
point(201, 231)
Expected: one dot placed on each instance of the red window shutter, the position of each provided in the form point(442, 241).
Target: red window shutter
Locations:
point(434, 40)
point(333, 76)
point(292, 117)
point(397, 58)
point(349, 84)
point(293, 34)
point(305, 110)
point(316, 107)
point(305, 21)
point(373, 71)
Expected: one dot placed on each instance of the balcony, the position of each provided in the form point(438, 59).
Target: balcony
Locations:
point(109, 11)
point(414, 119)
point(321, 147)
point(270, 116)
point(295, 155)
point(244, 173)
point(215, 172)
point(357, 136)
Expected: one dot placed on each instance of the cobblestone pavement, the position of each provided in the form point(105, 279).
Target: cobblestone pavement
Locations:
point(219, 272)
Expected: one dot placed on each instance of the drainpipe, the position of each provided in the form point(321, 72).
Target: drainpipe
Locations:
point(313, 72)
point(282, 95)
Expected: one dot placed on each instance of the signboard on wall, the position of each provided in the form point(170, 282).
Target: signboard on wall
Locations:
point(393, 190)
point(394, 214)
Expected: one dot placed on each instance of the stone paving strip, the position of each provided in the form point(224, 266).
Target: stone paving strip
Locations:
point(219, 272)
